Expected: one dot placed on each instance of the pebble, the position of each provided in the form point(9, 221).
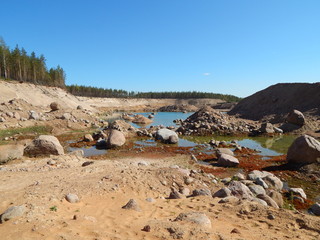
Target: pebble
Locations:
point(72, 198)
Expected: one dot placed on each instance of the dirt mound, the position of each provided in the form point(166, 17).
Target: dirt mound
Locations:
point(278, 100)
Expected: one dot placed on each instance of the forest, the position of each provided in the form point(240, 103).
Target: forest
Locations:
point(86, 91)
point(17, 64)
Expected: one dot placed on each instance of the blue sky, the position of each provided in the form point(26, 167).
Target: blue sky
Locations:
point(229, 46)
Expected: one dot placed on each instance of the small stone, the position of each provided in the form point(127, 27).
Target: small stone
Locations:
point(72, 198)
point(151, 200)
point(235, 230)
point(51, 162)
point(146, 228)
point(87, 163)
point(271, 217)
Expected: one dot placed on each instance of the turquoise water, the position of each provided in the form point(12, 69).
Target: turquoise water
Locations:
point(163, 118)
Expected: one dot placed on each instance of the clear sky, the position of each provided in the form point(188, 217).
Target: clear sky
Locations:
point(224, 46)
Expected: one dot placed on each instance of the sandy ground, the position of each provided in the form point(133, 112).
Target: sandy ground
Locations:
point(106, 185)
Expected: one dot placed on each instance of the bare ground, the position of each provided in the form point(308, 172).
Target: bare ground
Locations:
point(107, 185)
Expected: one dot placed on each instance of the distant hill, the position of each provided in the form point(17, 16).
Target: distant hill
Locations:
point(279, 99)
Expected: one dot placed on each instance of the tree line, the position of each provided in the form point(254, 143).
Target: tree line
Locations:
point(86, 91)
point(17, 64)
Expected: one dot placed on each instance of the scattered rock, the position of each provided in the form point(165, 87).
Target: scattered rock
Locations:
point(146, 228)
point(222, 193)
point(296, 117)
point(315, 208)
point(227, 161)
point(220, 151)
point(88, 138)
point(115, 139)
point(201, 192)
point(266, 128)
point(44, 145)
point(10, 152)
point(54, 106)
point(140, 119)
point(273, 182)
point(229, 199)
point(198, 218)
point(12, 212)
point(33, 115)
point(175, 194)
point(256, 189)
point(277, 197)
point(167, 136)
point(298, 191)
point(240, 190)
point(87, 163)
point(132, 205)
point(268, 200)
point(72, 198)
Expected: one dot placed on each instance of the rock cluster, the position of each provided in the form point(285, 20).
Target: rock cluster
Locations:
point(207, 121)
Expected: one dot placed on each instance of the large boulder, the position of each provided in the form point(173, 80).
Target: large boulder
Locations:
point(167, 136)
point(304, 149)
point(115, 139)
point(140, 119)
point(226, 160)
point(44, 145)
point(10, 152)
point(296, 117)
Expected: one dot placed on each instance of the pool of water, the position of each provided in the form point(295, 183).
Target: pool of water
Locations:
point(266, 146)
point(163, 118)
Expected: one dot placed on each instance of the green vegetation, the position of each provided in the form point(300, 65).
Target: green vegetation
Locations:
point(16, 64)
point(38, 130)
point(103, 92)
point(54, 208)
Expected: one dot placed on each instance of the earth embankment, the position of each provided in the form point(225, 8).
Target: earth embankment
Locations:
point(278, 100)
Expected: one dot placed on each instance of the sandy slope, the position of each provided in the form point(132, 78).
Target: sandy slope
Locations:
point(43, 96)
point(107, 185)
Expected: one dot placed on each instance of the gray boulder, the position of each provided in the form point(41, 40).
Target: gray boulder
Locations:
point(273, 182)
point(266, 128)
point(226, 160)
point(240, 190)
point(12, 212)
point(222, 193)
point(221, 151)
point(167, 136)
point(201, 192)
point(10, 152)
point(256, 189)
point(44, 145)
point(298, 191)
point(198, 218)
point(277, 197)
point(304, 149)
point(115, 139)
point(132, 205)
point(268, 200)
point(33, 115)
point(296, 117)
